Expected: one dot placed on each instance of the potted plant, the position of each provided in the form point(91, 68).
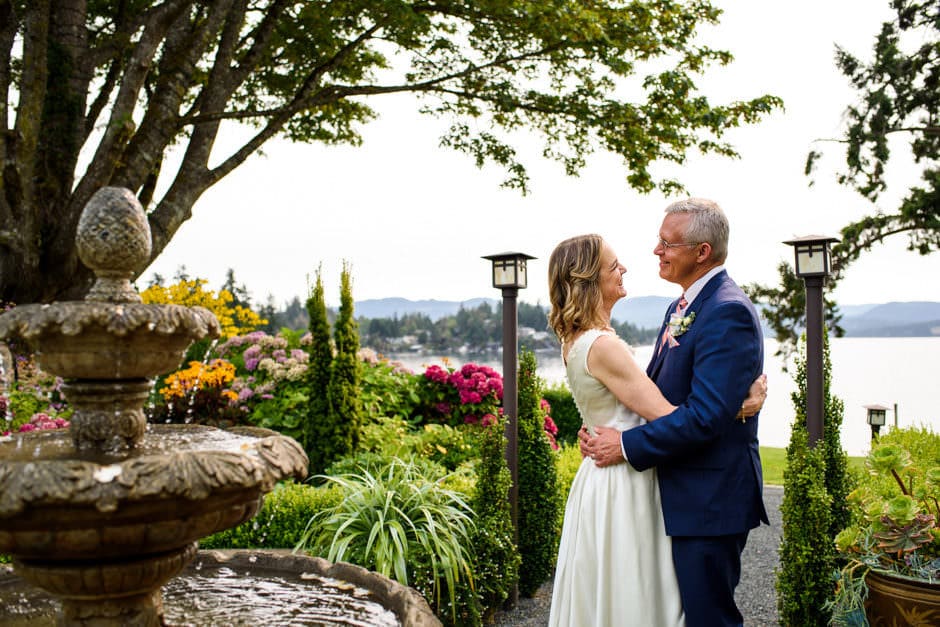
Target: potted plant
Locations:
point(892, 547)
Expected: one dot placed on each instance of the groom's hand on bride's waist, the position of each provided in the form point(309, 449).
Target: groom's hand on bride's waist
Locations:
point(604, 448)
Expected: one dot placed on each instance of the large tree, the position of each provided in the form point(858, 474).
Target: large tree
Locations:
point(898, 96)
point(97, 92)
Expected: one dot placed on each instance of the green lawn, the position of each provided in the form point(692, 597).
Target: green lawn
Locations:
point(774, 460)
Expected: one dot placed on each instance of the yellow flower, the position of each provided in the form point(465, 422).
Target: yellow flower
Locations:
point(233, 319)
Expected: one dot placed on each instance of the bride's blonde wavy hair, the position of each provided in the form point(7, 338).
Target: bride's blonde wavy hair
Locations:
point(573, 288)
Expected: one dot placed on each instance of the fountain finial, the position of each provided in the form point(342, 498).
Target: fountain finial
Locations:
point(113, 239)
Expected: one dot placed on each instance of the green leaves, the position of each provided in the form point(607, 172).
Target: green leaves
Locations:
point(888, 458)
point(897, 101)
point(389, 517)
point(894, 511)
point(578, 75)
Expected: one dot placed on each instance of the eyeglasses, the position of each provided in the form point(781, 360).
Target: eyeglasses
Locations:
point(667, 245)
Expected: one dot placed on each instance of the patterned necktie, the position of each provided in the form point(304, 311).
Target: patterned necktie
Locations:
point(680, 306)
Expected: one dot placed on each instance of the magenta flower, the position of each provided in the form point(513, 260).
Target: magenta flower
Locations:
point(436, 373)
point(470, 397)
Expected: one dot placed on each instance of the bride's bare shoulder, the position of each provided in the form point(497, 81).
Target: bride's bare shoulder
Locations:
point(612, 344)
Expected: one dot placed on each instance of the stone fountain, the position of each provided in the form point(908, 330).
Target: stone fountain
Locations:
point(103, 514)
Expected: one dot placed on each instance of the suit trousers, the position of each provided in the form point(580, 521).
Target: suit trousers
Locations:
point(708, 569)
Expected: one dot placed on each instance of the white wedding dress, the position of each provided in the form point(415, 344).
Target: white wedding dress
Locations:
point(615, 560)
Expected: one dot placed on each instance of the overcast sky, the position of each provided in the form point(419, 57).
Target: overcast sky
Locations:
point(414, 219)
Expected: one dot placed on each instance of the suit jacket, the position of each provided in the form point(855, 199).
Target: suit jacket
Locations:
point(708, 462)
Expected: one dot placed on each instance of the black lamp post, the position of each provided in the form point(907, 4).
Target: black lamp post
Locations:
point(813, 266)
point(509, 275)
point(876, 419)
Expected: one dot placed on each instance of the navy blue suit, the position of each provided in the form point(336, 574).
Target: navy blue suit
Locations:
point(708, 462)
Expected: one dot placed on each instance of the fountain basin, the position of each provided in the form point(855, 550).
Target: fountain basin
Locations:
point(252, 587)
point(104, 530)
point(182, 482)
point(108, 341)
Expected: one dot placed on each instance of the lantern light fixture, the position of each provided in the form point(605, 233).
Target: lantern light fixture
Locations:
point(509, 269)
point(812, 254)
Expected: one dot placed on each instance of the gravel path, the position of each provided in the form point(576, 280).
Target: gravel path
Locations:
point(756, 594)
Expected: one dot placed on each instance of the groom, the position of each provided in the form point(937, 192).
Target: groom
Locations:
point(709, 351)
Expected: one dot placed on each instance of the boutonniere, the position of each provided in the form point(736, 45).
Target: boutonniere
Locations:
point(679, 325)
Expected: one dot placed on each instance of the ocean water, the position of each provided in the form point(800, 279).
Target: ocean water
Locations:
point(865, 371)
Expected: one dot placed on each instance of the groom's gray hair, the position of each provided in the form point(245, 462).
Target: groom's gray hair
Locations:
point(708, 224)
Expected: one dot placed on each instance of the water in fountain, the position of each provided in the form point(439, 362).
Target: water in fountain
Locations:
point(6, 386)
point(103, 514)
point(195, 387)
point(202, 596)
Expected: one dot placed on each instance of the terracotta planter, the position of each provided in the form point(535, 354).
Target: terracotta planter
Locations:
point(896, 601)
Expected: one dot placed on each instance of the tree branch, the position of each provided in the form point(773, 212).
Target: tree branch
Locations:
point(120, 125)
point(188, 41)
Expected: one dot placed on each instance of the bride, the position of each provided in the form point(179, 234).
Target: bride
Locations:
point(615, 562)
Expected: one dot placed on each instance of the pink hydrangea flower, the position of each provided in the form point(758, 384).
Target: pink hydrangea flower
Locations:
point(436, 373)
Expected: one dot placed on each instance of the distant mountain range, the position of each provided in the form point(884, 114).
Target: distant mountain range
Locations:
point(895, 319)
point(433, 309)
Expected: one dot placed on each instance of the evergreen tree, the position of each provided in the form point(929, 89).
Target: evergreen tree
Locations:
point(268, 312)
point(807, 551)
point(538, 500)
point(316, 424)
point(240, 295)
point(891, 117)
point(345, 377)
point(495, 554)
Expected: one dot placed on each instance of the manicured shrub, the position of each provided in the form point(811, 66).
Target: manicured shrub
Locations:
point(538, 502)
point(345, 417)
point(318, 431)
point(807, 552)
point(496, 558)
point(281, 521)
